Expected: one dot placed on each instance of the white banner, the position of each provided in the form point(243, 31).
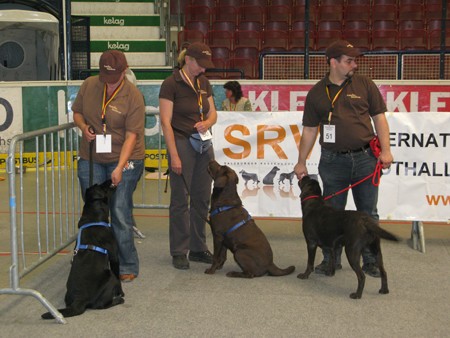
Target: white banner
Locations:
point(263, 149)
point(10, 116)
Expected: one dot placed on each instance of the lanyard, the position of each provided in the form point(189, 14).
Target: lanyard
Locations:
point(231, 107)
point(105, 103)
point(199, 94)
point(334, 99)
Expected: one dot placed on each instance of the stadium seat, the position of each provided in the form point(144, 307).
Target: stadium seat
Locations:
point(413, 40)
point(434, 11)
point(297, 41)
point(404, 25)
point(300, 26)
point(411, 12)
point(356, 25)
point(219, 74)
point(248, 66)
point(357, 12)
point(250, 26)
point(298, 13)
point(434, 38)
point(229, 26)
point(325, 38)
point(384, 40)
point(434, 25)
point(325, 25)
point(207, 3)
point(381, 25)
point(255, 2)
point(197, 25)
point(190, 36)
point(281, 3)
point(331, 12)
point(225, 13)
point(246, 53)
point(384, 12)
point(221, 39)
point(277, 26)
point(278, 13)
point(332, 2)
point(358, 2)
point(274, 40)
point(247, 39)
point(221, 53)
point(251, 13)
point(197, 13)
point(234, 3)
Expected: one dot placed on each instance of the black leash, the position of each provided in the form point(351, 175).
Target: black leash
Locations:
point(193, 204)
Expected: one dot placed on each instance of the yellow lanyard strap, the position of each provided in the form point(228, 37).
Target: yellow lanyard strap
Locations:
point(105, 103)
point(334, 99)
point(198, 92)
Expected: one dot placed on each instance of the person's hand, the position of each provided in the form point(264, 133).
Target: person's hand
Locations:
point(300, 170)
point(116, 176)
point(202, 126)
point(175, 165)
point(88, 133)
point(386, 159)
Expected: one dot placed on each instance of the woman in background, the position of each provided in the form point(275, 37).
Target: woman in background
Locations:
point(234, 100)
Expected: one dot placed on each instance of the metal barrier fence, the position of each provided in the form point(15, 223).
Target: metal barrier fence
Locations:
point(44, 215)
point(378, 66)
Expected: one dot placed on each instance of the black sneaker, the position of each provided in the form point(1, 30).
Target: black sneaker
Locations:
point(372, 270)
point(201, 256)
point(322, 268)
point(180, 262)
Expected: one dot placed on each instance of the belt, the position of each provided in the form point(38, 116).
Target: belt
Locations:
point(367, 146)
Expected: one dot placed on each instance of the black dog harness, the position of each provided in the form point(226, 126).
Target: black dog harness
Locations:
point(90, 246)
point(225, 208)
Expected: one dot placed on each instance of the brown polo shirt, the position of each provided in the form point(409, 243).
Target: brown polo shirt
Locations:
point(126, 112)
point(185, 101)
point(359, 100)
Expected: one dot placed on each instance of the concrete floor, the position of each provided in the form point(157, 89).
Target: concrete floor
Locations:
point(165, 302)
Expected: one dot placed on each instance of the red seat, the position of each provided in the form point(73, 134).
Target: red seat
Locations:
point(434, 11)
point(234, 3)
point(301, 26)
point(411, 12)
point(278, 13)
point(358, 2)
point(274, 40)
point(250, 26)
point(413, 40)
point(325, 38)
point(297, 41)
point(384, 25)
point(298, 13)
point(384, 12)
point(405, 25)
point(331, 12)
point(277, 26)
point(220, 39)
point(357, 12)
point(207, 3)
point(281, 3)
point(434, 38)
point(255, 2)
point(220, 65)
point(220, 53)
point(229, 26)
point(197, 25)
point(329, 25)
point(247, 39)
point(190, 36)
point(251, 13)
point(246, 53)
point(197, 13)
point(385, 39)
point(225, 13)
point(356, 25)
point(248, 66)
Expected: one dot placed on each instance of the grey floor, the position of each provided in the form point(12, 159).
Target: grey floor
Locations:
point(165, 302)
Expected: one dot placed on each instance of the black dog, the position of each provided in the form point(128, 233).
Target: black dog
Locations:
point(286, 176)
point(94, 276)
point(268, 179)
point(233, 228)
point(329, 228)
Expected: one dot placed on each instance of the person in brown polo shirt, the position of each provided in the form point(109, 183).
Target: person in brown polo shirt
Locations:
point(342, 106)
point(110, 111)
point(187, 113)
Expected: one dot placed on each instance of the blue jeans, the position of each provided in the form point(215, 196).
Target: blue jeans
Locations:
point(337, 172)
point(121, 207)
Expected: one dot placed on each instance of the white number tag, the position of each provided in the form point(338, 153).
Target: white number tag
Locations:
point(103, 143)
point(206, 135)
point(329, 133)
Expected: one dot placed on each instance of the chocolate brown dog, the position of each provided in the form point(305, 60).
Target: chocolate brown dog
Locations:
point(329, 228)
point(233, 228)
point(93, 280)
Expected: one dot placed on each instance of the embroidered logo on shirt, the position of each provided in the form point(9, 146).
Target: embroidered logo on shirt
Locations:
point(115, 109)
point(203, 92)
point(353, 96)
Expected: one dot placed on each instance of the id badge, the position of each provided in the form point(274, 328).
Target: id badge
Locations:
point(206, 135)
point(103, 143)
point(329, 133)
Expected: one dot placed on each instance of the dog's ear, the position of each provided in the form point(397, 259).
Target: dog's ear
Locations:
point(221, 181)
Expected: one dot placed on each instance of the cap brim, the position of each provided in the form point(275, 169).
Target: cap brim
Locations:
point(109, 78)
point(205, 63)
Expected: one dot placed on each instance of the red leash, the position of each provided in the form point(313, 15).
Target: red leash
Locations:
point(376, 178)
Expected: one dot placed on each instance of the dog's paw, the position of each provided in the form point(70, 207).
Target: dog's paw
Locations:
point(354, 295)
point(303, 275)
point(210, 271)
point(384, 291)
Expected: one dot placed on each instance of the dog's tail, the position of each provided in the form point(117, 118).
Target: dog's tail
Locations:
point(67, 312)
point(274, 270)
point(375, 228)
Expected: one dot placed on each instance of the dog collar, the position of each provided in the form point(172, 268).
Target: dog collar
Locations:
point(89, 246)
point(221, 209)
point(310, 198)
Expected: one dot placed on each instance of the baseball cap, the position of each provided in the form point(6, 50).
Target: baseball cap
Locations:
point(201, 53)
point(112, 64)
point(341, 47)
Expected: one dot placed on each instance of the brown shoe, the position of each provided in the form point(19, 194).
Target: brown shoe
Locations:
point(126, 278)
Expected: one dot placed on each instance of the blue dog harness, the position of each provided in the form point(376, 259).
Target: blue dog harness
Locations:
point(90, 246)
point(225, 208)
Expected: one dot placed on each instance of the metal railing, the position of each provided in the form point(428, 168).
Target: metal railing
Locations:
point(41, 229)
